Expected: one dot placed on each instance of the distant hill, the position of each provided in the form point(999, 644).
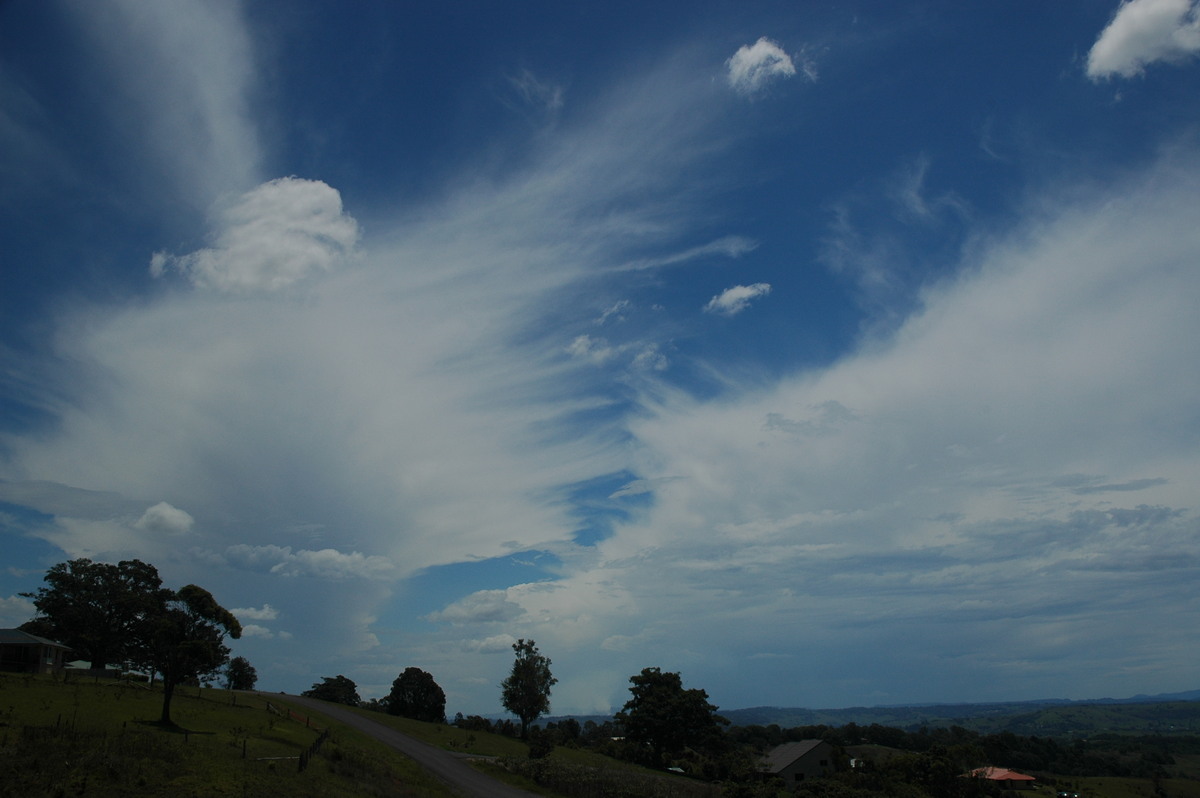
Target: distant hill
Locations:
point(1166, 713)
point(1171, 713)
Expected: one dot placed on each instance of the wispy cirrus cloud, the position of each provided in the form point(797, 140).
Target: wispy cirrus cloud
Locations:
point(733, 301)
point(187, 76)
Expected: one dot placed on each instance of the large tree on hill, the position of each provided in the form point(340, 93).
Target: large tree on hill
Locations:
point(184, 639)
point(667, 718)
point(416, 695)
point(526, 691)
point(337, 689)
point(96, 608)
point(240, 674)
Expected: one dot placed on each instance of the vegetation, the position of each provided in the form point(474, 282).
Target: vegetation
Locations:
point(68, 736)
point(99, 737)
point(526, 691)
point(416, 695)
point(98, 609)
point(666, 718)
point(183, 639)
point(338, 689)
point(240, 674)
point(121, 613)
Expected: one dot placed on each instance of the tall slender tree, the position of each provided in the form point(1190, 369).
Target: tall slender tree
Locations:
point(526, 691)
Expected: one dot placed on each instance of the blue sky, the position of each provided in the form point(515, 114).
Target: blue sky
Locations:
point(829, 354)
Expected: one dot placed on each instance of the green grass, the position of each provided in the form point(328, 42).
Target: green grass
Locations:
point(101, 738)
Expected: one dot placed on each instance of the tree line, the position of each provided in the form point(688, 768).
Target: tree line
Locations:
point(121, 613)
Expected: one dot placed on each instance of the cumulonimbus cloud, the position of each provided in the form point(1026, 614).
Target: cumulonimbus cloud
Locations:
point(1143, 32)
point(271, 237)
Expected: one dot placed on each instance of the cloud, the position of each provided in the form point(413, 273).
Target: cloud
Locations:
point(1143, 32)
point(616, 312)
point(185, 76)
point(594, 350)
point(271, 237)
point(320, 564)
point(495, 644)
point(264, 613)
point(254, 630)
point(163, 519)
point(537, 93)
point(484, 606)
point(753, 66)
point(15, 610)
point(729, 246)
point(961, 479)
point(734, 300)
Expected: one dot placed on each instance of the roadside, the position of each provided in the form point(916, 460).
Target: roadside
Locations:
point(450, 768)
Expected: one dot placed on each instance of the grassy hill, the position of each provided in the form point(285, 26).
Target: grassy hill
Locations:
point(101, 738)
point(84, 736)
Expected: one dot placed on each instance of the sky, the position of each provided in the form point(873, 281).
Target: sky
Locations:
point(829, 354)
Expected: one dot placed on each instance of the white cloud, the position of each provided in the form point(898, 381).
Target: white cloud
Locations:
point(184, 73)
point(593, 350)
point(484, 606)
point(254, 630)
point(15, 610)
point(753, 66)
point(1143, 32)
point(264, 613)
point(616, 312)
point(271, 237)
point(490, 645)
point(163, 519)
point(320, 564)
point(734, 300)
point(871, 504)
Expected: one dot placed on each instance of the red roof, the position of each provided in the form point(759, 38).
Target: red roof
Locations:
point(999, 774)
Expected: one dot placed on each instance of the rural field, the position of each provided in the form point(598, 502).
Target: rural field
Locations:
point(87, 737)
point(80, 736)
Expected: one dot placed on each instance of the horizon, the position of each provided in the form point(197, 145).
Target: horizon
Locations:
point(840, 355)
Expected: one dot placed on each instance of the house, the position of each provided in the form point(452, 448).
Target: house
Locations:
point(1004, 778)
point(26, 653)
point(797, 762)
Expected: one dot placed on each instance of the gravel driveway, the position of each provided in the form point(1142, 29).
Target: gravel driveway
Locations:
point(450, 768)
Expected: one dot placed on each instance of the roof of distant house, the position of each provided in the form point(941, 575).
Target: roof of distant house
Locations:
point(16, 636)
point(781, 756)
point(999, 774)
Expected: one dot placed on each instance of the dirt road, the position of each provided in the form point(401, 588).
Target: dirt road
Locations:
point(448, 767)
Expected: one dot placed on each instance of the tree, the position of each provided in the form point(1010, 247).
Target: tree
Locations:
point(666, 717)
point(240, 674)
point(97, 608)
point(416, 695)
point(184, 639)
point(337, 689)
point(526, 691)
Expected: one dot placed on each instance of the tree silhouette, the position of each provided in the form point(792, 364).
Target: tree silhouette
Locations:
point(526, 691)
point(416, 695)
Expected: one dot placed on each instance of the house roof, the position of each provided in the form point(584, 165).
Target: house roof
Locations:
point(999, 774)
point(781, 756)
point(17, 637)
